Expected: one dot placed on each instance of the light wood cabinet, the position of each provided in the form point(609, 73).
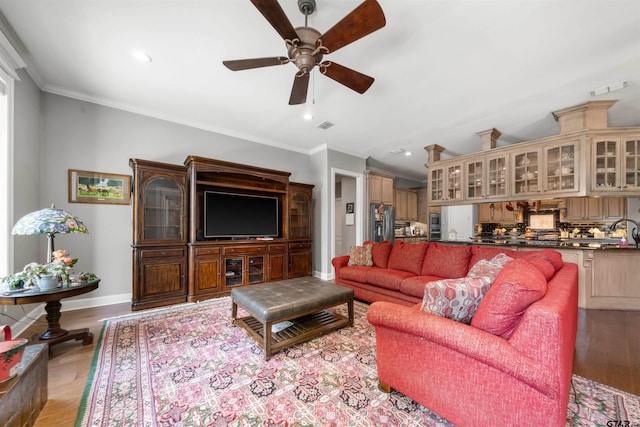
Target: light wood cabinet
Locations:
point(446, 183)
point(406, 204)
point(561, 171)
point(615, 164)
point(412, 205)
point(487, 177)
point(380, 188)
point(595, 208)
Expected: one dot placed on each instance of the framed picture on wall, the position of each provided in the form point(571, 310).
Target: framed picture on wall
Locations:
point(98, 187)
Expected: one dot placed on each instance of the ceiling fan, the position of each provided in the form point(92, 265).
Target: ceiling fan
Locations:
point(306, 46)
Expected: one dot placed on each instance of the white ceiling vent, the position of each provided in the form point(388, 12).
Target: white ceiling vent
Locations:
point(325, 125)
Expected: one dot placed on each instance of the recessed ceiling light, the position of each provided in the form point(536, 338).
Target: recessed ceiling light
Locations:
point(397, 151)
point(141, 56)
point(609, 88)
point(407, 153)
point(307, 116)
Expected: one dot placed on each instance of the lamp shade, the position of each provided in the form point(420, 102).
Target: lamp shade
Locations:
point(49, 221)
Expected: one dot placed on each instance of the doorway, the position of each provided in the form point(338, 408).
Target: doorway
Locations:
point(347, 211)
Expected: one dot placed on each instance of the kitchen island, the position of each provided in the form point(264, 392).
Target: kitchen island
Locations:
point(608, 275)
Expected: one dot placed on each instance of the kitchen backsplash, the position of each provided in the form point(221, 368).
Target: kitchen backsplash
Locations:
point(582, 226)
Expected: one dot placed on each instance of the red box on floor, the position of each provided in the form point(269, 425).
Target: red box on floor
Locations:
point(10, 354)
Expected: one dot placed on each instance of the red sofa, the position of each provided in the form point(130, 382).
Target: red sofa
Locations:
point(511, 365)
point(400, 271)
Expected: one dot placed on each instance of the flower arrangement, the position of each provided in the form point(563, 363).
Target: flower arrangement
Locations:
point(61, 266)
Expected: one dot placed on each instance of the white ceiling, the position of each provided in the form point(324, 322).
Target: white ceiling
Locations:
point(444, 70)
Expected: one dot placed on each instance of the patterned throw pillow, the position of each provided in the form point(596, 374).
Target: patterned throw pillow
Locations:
point(455, 299)
point(361, 255)
point(489, 269)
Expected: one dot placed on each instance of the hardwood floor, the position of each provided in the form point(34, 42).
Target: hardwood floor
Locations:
point(607, 350)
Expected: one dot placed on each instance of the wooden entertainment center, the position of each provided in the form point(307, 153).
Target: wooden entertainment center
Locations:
point(172, 260)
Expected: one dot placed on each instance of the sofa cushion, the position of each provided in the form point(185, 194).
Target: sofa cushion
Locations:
point(554, 257)
point(544, 266)
point(455, 299)
point(356, 273)
point(361, 255)
point(407, 256)
point(387, 278)
point(380, 252)
point(446, 261)
point(488, 252)
point(414, 286)
point(489, 269)
point(518, 285)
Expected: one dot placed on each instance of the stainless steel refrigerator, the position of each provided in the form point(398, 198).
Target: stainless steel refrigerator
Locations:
point(382, 219)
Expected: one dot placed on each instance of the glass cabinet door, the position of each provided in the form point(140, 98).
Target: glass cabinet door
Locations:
point(233, 271)
point(162, 210)
point(256, 269)
point(605, 164)
point(631, 164)
point(300, 206)
point(497, 176)
point(454, 182)
point(436, 184)
point(526, 172)
point(561, 172)
point(475, 179)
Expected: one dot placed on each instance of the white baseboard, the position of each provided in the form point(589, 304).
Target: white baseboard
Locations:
point(322, 276)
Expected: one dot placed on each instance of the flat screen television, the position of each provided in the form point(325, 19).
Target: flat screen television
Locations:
point(236, 215)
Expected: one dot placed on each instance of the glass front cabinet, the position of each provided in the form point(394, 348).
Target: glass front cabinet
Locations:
point(615, 164)
point(446, 183)
point(487, 177)
point(299, 249)
point(159, 234)
point(561, 168)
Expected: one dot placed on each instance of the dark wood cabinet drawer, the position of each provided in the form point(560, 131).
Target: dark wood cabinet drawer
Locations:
point(207, 251)
point(161, 253)
point(299, 246)
point(277, 248)
point(245, 249)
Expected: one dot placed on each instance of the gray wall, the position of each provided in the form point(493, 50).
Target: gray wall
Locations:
point(348, 189)
point(55, 133)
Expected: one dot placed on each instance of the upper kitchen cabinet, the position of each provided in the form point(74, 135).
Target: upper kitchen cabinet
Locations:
point(380, 188)
point(561, 169)
point(615, 164)
point(487, 177)
point(446, 184)
point(526, 174)
point(406, 204)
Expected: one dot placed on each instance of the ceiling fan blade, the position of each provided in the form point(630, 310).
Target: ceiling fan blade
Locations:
point(273, 13)
point(363, 20)
point(299, 90)
point(246, 64)
point(346, 76)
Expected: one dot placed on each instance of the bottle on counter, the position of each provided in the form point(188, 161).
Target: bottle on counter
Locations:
point(624, 243)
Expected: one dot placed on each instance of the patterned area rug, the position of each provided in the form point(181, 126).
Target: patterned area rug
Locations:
point(189, 366)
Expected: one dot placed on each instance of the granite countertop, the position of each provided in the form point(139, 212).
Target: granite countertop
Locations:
point(593, 244)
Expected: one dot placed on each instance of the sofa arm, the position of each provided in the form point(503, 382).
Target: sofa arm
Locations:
point(339, 262)
point(482, 346)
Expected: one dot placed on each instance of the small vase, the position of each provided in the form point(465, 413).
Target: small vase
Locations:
point(47, 283)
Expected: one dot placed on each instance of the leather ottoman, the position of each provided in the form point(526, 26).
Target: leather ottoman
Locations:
point(302, 302)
